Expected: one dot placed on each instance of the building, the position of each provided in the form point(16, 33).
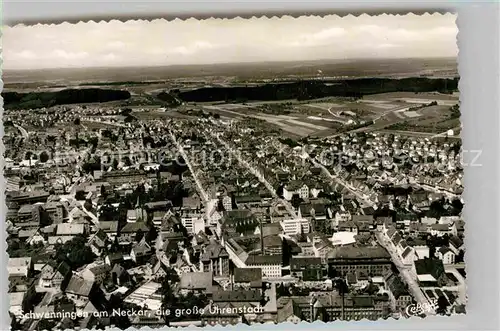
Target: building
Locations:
point(215, 259)
point(295, 226)
point(110, 228)
point(20, 267)
point(375, 261)
point(398, 291)
point(456, 245)
point(55, 275)
point(28, 217)
point(247, 277)
point(296, 187)
point(429, 271)
point(446, 255)
point(196, 281)
point(129, 232)
point(65, 232)
point(227, 202)
point(269, 264)
point(331, 307)
point(97, 273)
point(307, 268)
point(55, 211)
point(193, 224)
point(79, 290)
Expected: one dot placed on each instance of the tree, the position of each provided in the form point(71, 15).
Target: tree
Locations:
point(44, 157)
point(139, 235)
point(75, 252)
point(442, 305)
point(80, 195)
point(76, 121)
point(341, 286)
point(152, 234)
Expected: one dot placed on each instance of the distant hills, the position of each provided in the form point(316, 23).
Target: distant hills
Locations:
point(435, 67)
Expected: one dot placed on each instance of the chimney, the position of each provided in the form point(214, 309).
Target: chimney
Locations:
point(311, 309)
point(261, 236)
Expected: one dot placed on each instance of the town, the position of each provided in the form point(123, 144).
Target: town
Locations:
point(220, 215)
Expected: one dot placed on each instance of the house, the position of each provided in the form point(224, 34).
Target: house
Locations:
point(96, 274)
point(322, 248)
point(440, 230)
point(136, 215)
point(307, 268)
point(98, 241)
point(196, 281)
point(219, 310)
point(77, 216)
point(430, 271)
point(296, 187)
point(456, 244)
point(159, 270)
point(247, 277)
point(110, 228)
point(420, 247)
point(348, 226)
point(129, 231)
point(54, 275)
point(290, 312)
point(79, 290)
point(32, 237)
point(119, 275)
point(141, 252)
point(342, 215)
point(457, 228)
point(374, 260)
point(20, 267)
point(446, 255)
point(28, 217)
point(158, 205)
point(408, 255)
point(113, 259)
point(215, 259)
point(398, 291)
point(65, 232)
point(55, 211)
point(17, 303)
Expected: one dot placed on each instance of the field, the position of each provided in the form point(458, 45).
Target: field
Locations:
point(324, 118)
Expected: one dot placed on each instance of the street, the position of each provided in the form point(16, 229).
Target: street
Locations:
point(405, 272)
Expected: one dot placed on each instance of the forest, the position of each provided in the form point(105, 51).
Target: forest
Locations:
point(314, 89)
point(34, 100)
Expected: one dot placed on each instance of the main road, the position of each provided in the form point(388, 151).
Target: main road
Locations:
point(23, 131)
point(408, 276)
point(201, 190)
point(256, 173)
point(340, 181)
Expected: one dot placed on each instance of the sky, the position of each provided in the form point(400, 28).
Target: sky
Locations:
point(159, 42)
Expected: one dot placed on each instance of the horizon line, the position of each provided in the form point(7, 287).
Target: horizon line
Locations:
point(4, 70)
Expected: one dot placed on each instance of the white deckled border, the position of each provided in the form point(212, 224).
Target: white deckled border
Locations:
point(478, 41)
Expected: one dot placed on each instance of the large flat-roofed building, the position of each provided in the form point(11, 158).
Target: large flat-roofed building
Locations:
point(296, 226)
point(371, 260)
point(329, 308)
point(269, 264)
